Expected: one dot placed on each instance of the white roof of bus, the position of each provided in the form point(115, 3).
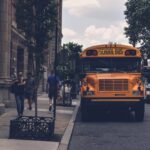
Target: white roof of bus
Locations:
point(111, 45)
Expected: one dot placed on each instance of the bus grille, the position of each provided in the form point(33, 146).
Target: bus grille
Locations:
point(113, 85)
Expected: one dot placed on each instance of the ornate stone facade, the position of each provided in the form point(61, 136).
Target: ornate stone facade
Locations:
point(13, 51)
point(55, 34)
point(5, 44)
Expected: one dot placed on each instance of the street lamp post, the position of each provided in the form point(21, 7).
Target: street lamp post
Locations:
point(55, 70)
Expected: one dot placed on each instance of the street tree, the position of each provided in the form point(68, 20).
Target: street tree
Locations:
point(69, 56)
point(137, 16)
point(36, 19)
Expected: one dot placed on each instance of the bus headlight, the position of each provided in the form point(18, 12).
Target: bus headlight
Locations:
point(135, 93)
point(89, 93)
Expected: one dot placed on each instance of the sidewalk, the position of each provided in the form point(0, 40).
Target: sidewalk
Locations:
point(63, 117)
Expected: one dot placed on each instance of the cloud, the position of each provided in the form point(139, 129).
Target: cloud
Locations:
point(94, 21)
point(99, 35)
point(113, 33)
point(80, 8)
point(103, 32)
point(79, 3)
point(69, 33)
point(94, 8)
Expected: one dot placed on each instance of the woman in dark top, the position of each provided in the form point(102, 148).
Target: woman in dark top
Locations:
point(19, 86)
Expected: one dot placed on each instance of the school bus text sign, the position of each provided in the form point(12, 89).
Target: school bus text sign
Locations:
point(110, 52)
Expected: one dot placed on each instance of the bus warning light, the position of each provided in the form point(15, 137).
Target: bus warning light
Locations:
point(130, 52)
point(92, 53)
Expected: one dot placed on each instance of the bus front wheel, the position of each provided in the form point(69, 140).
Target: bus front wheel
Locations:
point(139, 111)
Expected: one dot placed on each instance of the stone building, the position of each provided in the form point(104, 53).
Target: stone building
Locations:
point(13, 51)
point(58, 31)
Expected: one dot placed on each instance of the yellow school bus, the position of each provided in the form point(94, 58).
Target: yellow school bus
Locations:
point(111, 76)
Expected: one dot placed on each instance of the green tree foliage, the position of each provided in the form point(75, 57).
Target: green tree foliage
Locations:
point(137, 15)
point(36, 19)
point(69, 56)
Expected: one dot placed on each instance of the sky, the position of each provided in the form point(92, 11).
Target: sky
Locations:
point(91, 22)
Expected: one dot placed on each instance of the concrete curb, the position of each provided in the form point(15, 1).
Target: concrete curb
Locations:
point(68, 132)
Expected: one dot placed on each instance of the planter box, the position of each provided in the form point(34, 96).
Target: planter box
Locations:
point(30, 127)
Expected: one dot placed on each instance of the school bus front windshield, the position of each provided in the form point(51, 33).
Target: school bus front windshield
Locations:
point(109, 65)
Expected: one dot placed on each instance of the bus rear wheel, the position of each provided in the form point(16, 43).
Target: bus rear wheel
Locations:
point(139, 111)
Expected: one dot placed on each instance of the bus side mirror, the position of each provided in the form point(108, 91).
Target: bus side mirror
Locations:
point(82, 75)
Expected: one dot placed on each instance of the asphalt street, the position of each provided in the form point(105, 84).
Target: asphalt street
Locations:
point(111, 132)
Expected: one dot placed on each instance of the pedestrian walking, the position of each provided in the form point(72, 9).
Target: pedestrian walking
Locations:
point(53, 85)
point(18, 90)
point(29, 90)
point(67, 88)
point(67, 96)
point(60, 93)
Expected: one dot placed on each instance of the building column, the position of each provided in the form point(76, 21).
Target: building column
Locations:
point(5, 37)
point(5, 34)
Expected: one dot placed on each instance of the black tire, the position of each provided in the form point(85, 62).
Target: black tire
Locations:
point(139, 111)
